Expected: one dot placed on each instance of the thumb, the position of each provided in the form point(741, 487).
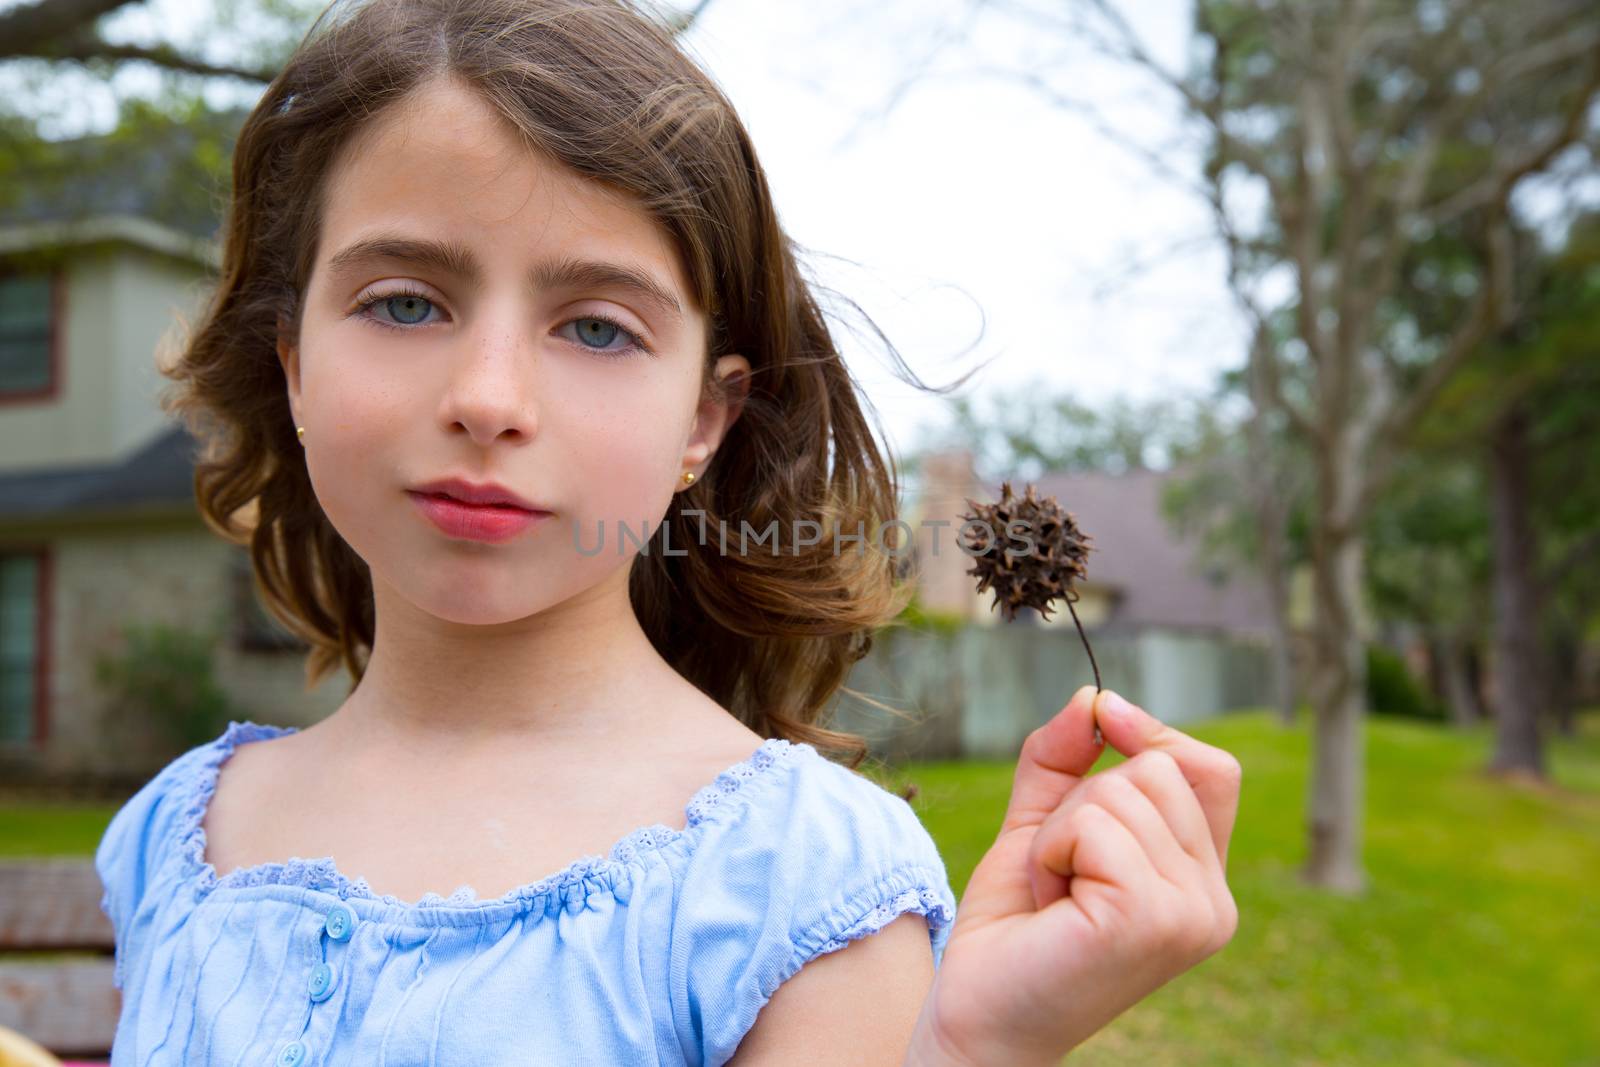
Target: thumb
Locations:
point(1054, 759)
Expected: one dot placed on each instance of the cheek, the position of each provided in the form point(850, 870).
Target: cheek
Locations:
point(626, 442)
point(353, 420)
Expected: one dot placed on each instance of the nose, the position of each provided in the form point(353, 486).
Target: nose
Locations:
point(493, 385)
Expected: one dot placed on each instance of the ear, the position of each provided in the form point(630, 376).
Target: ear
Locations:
point(289, 360)
point(715, 415)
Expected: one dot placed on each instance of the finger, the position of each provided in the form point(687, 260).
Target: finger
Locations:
point(1090, 844)
point(1118, 794)
point(1156, 773)
point(1054, 759)
point(1158, 776)
point(1212, 773)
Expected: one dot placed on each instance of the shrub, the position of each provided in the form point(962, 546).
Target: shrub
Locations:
point(1393, 690)
point(163, 676)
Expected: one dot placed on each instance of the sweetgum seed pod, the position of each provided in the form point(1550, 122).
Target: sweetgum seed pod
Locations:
point(1024, 575)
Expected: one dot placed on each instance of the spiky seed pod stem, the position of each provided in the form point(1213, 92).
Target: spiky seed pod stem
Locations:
point(1050, 554)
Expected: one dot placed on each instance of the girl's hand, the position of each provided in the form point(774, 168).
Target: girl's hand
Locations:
point(1098, 890)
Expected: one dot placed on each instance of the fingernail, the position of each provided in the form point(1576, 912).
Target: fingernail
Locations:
point(1079, 695)
point(1114, 705)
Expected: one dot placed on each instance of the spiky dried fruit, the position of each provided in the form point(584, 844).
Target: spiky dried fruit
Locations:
point(1023, 574)
point(1029, 552)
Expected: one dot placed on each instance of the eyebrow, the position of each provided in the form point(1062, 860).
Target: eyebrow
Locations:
point(456, 259)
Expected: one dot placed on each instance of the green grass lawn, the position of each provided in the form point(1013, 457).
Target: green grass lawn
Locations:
point(1478, 941)
point(52, 829)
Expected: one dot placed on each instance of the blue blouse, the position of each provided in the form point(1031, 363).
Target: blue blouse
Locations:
point(662, 952)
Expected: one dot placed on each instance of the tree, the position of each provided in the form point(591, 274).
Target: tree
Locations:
point(71, 30)
point(1029, 429)
point(1335, 136)
point(173, 142)
point(1428, 549)
point(1524, 412)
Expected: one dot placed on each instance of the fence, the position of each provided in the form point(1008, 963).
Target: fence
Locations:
point(978, 691)
point(56, 957)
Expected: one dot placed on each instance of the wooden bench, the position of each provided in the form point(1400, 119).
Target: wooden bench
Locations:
point(56, 956)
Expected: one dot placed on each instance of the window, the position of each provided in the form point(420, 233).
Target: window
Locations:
point(26, 329)
point(21, 603)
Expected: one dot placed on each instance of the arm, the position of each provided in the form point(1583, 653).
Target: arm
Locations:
point(857, 1005)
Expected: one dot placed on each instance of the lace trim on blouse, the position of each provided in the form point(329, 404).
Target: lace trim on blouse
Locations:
point(322, 874)
point(919, 899)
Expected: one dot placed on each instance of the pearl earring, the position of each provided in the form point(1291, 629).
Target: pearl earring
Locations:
point(300, 433)
point(688, 477)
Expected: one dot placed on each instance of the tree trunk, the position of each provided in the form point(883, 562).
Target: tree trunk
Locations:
point(1272, 499)
point(1283, 665)
point(1275, 568)
point(1518, 746)
point(1339, 704)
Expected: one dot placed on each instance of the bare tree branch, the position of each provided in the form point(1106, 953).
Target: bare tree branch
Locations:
point(1498, 185)
point(915, 72)
point(23, 29)
point(1097, 121)
point(83, 45)
point(679, 20)
point(1129, 48)
point(1491, 308)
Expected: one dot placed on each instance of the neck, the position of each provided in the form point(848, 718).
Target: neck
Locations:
point(578, 672)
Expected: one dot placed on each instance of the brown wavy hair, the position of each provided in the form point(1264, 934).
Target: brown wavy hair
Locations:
point(605, 89)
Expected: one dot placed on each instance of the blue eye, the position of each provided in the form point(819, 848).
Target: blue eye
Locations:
point(601, 331)
point(410, 304)
point(401, 304)
point(598, 331)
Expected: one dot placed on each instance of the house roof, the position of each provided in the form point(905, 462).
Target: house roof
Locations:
point(157, 477)
point(1135, 550)
point(127, 229)
point(143, 184)
point(146, 172)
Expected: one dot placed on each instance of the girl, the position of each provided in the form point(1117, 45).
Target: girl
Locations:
point(503, 289)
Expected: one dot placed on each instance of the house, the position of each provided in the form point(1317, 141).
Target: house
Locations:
point(1140, 574)
point(98, 525)
point(1183, 639)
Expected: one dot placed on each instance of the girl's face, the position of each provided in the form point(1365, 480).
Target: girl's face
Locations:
point(548, 342)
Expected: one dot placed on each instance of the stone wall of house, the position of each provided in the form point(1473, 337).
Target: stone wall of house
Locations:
point(176, 573)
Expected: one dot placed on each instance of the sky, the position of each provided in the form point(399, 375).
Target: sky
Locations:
point(973, 219)
point(973, 204)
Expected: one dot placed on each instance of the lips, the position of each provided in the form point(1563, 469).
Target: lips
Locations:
point(475, 522)
point(476, 493)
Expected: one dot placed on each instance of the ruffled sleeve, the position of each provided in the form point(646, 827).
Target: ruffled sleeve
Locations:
point(139, 840)
point(798, 864)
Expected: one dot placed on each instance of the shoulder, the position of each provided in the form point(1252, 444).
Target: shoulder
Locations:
point(146, 819)
point(861, 853)
point(799, 857)
point(148, 832)
point(794, 806)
